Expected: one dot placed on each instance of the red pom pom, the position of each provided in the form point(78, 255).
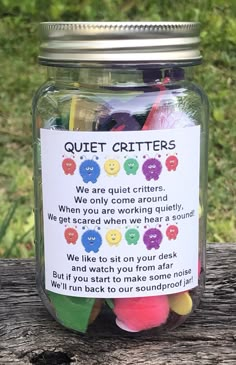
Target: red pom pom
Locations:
point(137, 314)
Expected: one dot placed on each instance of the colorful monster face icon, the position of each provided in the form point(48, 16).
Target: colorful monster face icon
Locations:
point(91, 240)
point(131, 166)
point(171, 163)
point(113, 237)
point(89, 171)
point(112, 167)
point(71, 235)
point(132, 236)
point(69, 166)
point(152, 169)
point(152, 238)
point(172, 232)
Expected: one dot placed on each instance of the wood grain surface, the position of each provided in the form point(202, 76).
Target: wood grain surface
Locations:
point(29, 335)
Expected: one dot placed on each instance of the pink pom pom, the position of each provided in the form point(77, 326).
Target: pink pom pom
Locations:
point(137, 314)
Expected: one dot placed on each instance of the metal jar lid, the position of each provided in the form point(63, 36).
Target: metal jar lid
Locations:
point(116, 42)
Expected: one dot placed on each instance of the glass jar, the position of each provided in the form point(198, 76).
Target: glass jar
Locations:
point(120, 175)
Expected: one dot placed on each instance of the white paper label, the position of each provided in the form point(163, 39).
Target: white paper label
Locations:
point(120, 212)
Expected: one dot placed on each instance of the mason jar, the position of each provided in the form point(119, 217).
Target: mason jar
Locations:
point(120, 136)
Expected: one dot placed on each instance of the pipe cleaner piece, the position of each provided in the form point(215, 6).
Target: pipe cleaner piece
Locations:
point(150, 121)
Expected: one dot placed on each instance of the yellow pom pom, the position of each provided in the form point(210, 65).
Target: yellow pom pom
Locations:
point(180, 303)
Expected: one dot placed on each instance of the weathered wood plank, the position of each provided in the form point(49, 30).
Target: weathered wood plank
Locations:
point(28, 335)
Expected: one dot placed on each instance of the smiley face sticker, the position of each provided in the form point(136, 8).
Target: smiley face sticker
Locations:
point(113, 237)
point(132, 236)
point(131, 166)
point(112, 167)
point(69, 166)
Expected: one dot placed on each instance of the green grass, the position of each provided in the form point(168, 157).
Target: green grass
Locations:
point(20, 76)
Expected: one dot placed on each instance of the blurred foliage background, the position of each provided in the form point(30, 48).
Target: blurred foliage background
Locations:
point(20, 76)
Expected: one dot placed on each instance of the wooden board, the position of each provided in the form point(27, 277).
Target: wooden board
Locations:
point(29, 335)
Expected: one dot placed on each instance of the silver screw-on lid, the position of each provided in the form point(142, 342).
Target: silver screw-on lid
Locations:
point(117, 42)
